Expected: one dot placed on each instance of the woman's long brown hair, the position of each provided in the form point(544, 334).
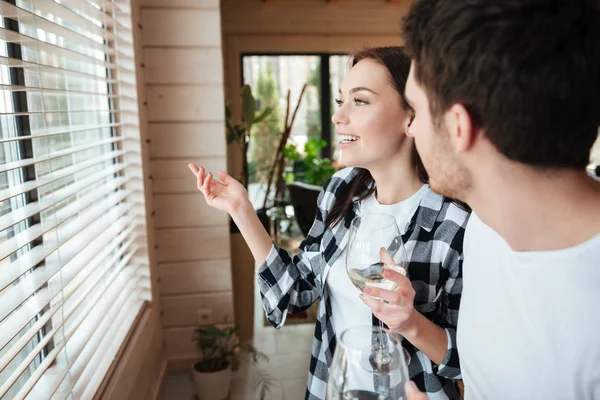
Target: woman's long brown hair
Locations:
point(395, 60)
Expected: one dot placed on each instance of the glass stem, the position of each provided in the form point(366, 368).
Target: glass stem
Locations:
point(382, 339)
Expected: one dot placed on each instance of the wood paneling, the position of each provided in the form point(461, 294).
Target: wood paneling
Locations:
point(193, 244)
point(186, 210)
point(183, 103)
point(183, 66)
point(194, 277)
point(180, 344)
point(314, 17)
point(181, 28)
point(181, 310)
point(202, 139)
point(173, 176)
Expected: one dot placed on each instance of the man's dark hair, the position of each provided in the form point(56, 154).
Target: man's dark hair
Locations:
point(528, 72)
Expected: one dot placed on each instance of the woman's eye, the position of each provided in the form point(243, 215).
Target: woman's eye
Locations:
point(338, 102)
point(359, 102)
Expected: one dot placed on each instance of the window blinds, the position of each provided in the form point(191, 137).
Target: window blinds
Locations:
point(73, 259)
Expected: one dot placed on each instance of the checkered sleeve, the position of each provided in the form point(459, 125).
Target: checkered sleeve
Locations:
point(288, 286)
point(457, 218)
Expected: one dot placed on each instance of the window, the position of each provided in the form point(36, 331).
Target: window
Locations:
point(73, 262)
point(271, 76)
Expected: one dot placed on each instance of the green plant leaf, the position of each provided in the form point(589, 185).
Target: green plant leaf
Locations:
point(214, 331)
point(263, 115)
point(290, 152)
point(313, 146)
point(289, 177)
point(248, 106)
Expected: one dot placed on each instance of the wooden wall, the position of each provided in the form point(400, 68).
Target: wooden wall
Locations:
point(183, 80)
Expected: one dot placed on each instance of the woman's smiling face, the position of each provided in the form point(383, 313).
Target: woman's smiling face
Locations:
point(370, 120)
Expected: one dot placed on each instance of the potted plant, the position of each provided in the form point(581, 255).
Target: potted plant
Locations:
point(221, 351)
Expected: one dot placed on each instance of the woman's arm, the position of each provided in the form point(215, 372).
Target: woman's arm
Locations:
point(290, 285)
point(231, 196)
point(286, 285)
point(254, 233)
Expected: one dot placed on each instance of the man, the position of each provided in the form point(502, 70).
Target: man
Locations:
point(506, 96)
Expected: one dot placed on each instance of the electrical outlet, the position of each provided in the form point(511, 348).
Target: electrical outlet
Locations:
point(204, 316)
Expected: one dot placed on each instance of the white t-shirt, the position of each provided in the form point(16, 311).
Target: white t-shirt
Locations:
point(529, 323)
point(347, 309)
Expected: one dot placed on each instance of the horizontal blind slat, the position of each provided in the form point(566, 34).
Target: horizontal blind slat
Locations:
point(28, 41)
point(47, 157)
point(41, 89)
point(60, 174)
point(16, 63)
point(31, 209)
point(60, 131)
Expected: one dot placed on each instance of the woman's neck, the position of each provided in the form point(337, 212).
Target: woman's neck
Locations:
point(396, 181)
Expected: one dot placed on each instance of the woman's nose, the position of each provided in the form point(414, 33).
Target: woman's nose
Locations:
point(339, 117)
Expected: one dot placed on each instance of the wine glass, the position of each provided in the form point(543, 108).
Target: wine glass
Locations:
point(356, 375)
point(375, 245)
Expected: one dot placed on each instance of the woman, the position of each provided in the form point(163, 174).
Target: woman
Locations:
point(386, 176)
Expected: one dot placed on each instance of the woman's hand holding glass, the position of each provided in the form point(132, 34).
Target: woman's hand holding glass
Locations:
point(397, 310)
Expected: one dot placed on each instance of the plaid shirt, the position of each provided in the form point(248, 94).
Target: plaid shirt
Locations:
point(433, 240)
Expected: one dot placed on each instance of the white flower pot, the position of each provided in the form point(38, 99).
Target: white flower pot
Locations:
point(212, 385)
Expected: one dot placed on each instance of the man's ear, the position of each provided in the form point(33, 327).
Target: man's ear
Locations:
point(460, 127)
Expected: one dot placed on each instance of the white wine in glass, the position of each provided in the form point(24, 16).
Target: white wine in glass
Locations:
point(375, 245)
point(371, 276)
